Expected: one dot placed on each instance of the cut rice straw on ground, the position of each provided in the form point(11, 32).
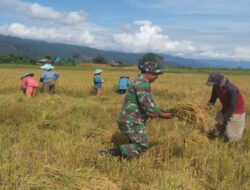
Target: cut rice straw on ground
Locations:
point(84, 179)
point(192, 114)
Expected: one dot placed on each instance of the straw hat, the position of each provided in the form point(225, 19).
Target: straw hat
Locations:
point(26, 75)
point(47, 66)
point(97, 71)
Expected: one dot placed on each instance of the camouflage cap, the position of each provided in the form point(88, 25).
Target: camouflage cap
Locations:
point(150, 67)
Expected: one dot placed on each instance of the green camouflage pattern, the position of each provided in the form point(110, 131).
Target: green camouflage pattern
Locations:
point(137, 108)
point(137, 137)
point(150, 67)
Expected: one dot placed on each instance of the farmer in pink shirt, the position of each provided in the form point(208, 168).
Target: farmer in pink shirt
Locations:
point(29, 85)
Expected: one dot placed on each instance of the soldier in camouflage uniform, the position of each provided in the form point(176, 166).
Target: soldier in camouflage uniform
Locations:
point(138, 107)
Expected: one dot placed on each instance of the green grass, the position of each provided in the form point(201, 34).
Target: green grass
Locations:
point(235, 71)
point(85, 67)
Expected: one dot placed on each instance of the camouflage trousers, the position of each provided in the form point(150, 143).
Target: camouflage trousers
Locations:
point(137, 137)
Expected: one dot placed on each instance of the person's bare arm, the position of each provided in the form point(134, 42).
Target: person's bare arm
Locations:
point(166, 115)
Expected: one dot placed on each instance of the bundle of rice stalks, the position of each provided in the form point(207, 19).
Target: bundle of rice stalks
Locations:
point(191, 114)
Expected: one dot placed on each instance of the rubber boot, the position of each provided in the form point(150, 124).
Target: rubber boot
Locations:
point(110, 152)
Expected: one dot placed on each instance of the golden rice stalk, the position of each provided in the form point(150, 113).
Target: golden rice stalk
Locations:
point(192, 114)
point(103, 135)
point(84, 179)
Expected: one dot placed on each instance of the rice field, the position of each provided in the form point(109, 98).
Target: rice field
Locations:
point(51, 142)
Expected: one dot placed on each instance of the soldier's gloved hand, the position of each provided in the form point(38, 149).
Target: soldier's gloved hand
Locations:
point(167, 115)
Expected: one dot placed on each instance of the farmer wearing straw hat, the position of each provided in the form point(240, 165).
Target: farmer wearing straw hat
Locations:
point(29, 85)
point(98, 81)
point(230, 121)
point(48, 78)
point(137, 108)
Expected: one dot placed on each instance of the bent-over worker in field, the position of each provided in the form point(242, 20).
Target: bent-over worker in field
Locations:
point(29, 85)
point(98, 82)
point(229, 122)
point(123, 84)
point(48, 78)
point(137, 108)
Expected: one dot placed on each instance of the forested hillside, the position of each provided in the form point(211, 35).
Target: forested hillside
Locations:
point(36, 48)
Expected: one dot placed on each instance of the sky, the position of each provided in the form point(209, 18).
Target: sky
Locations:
point(198, 29)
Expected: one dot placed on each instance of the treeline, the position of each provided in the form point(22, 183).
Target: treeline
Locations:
point(12, 58)
point(16, 59)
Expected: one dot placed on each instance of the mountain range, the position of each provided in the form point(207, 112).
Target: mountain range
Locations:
point(37, 48)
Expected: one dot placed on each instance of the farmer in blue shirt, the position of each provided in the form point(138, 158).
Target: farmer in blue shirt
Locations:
point(98, 81)
point(48, 78)
point(123, 85)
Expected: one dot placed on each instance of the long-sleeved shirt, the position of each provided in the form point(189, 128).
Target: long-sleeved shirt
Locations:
point(47, 76)
point(29, 82)
point(138, 103)
point(230, 98)
point(123, 83)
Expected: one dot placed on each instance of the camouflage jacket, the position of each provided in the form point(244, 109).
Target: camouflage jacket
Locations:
point(138, 104)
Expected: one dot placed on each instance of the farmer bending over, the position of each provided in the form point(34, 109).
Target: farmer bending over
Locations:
point(123, 85)
point(230, 121)
point(29, 85)
point(138, 106)
point(48, 78)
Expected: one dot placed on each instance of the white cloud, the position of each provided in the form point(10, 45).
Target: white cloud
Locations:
point(242, 53)
point(211, 54)
point(60, 35)
point(237, 54)
point(149, 38)
point(41, 12)
point(74, 18)
point(20, 30)
point(37, 11)
point(86, 38)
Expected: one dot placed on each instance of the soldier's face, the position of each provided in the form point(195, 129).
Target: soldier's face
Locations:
point(150, 77)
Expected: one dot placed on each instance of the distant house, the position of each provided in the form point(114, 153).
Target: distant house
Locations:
point(165, 67)
point(115, 64)
point(43, 61)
